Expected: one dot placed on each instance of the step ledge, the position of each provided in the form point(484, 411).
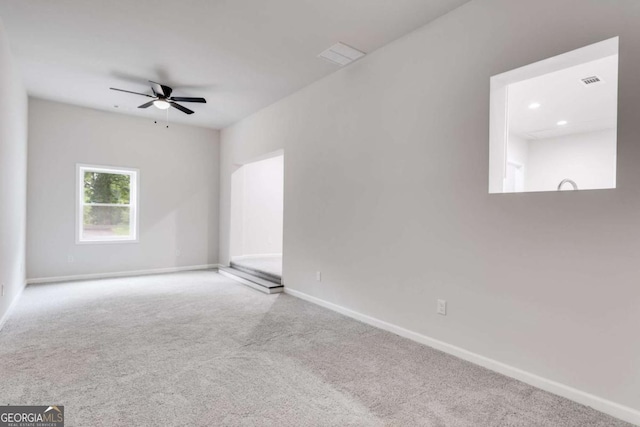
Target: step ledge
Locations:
point(252, 281)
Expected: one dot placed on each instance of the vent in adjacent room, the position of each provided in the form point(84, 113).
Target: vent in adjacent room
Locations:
point(341, 54)
point(591, 80)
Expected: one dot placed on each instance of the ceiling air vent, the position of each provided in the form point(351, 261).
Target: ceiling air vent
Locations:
point(591, 80)
point(341, 54)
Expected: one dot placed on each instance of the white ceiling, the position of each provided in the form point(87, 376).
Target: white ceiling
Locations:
point(241, 55)
point(562, 96)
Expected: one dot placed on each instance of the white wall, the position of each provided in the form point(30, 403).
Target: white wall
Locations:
point(236, 214)
point(178, 179)
point(589, 159)
point(517, 158)
point(387, 166)
point(261, 210)
point(518, 150)
point(13, 176)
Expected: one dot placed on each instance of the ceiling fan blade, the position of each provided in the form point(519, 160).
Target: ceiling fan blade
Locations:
point(135, 93)
point(187, 99)
point(181, 108)
point(160, 89)
point(147, 105)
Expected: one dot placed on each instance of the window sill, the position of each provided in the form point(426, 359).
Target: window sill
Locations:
point(106, 242)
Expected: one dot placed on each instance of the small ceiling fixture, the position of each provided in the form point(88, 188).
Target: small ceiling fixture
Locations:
point(562, 123)
point(163, 99)
point(341, 54)
point(534, 105)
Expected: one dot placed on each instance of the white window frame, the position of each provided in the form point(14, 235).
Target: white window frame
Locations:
point(134, 181)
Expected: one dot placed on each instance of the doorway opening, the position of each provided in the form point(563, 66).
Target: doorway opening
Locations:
point(257, 207)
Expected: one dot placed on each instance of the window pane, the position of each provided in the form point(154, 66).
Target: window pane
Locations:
point(102, 222)
point(106, 188)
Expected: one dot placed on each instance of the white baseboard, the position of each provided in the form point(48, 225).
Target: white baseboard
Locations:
point(120, 274)
point(13, 304)
point(616, 410)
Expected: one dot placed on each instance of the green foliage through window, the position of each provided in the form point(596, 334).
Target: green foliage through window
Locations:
point(106, 188)
point(102, 189)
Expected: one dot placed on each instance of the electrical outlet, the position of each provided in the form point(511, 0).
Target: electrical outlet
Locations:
point(318, 276)
point(71, 258)
point(442, 307)
point(177, 253)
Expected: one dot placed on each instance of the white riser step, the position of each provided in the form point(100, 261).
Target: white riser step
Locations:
point(252, 281)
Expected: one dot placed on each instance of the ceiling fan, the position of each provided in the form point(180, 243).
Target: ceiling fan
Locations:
point(162, 98)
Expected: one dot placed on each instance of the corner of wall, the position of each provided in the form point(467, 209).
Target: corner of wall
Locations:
point(13, 169)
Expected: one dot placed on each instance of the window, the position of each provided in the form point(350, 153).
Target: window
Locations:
point(554, 123)
point(107, 204)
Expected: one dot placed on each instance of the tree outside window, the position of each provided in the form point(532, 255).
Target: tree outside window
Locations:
point(107, 207)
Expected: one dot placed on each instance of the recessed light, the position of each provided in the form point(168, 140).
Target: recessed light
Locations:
point(534, 105)
point(562, 123)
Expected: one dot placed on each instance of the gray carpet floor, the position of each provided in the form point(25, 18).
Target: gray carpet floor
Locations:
point(197, 349)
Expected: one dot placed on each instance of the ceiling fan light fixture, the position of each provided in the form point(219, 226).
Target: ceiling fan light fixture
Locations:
point(161, 104)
